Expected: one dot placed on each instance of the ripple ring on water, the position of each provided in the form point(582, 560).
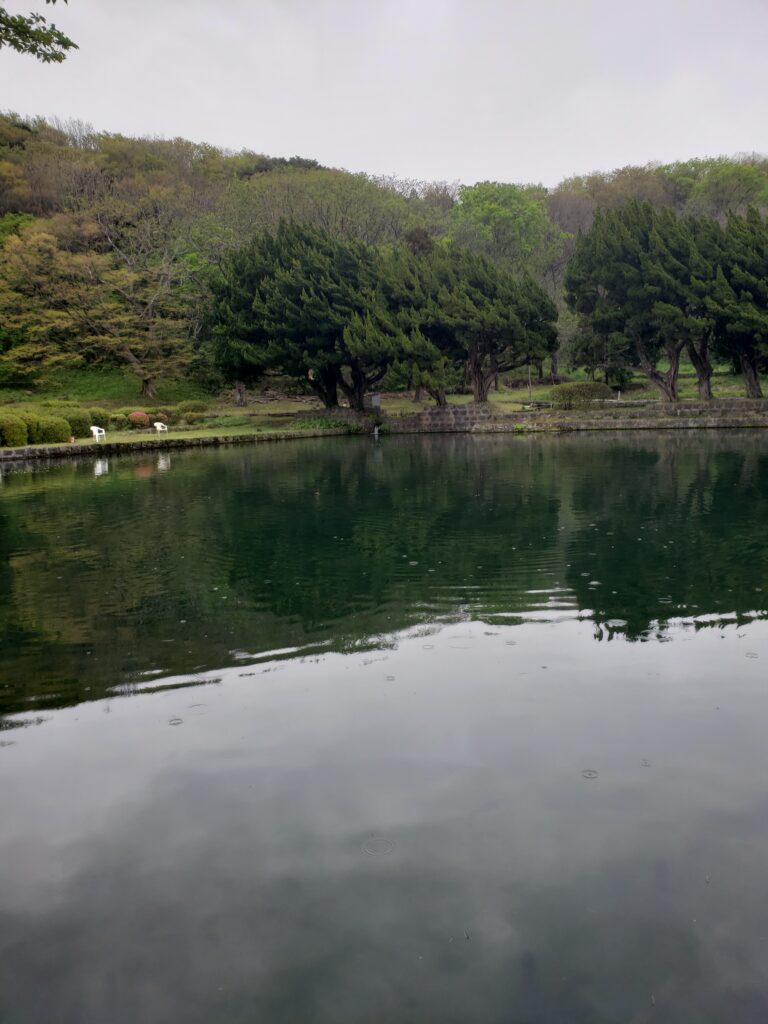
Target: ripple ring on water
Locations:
point(589, 773)
point(377, 846)
point(175, 721)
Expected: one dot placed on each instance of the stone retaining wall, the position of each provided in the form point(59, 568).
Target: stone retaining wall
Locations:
point(483, 419)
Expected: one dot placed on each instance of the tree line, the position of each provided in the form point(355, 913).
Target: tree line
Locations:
point(650, 285)
point(118, 250)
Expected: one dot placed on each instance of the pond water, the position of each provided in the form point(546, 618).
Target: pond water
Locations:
point(439, 729)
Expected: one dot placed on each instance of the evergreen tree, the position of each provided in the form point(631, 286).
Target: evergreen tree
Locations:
point(738, 297)
point(309, 304)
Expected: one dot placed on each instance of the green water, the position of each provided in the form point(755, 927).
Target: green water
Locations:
point(436, 729)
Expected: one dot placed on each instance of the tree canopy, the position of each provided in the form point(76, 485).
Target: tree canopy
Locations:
point(34, 35)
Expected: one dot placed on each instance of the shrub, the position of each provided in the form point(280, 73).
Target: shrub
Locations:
point(163, 415)
point(138, 420)
point(45, 429)
point(13, 431)
point(32, 421)
point(80, 421)
point(191, 406)
point(191, 418)
point(53, 429)
point(579, 394)
point(99, 418)
point(118, 421)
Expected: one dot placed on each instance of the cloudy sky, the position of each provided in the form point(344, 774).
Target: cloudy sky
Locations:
point(510, 90)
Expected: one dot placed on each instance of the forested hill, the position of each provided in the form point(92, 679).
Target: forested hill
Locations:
point(108, 242)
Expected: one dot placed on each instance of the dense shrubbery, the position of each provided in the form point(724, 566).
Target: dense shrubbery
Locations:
point(99, 418)
point(118, 421)
point(13, 431)
point(138, 420)
point(191, 406)
point(579, 394)
point(79, 421)
point(192, 418)
point(52, 430)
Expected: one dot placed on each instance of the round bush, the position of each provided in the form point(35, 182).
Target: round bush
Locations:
point(53, 429)
point(32, 421)
point(191, 418)
point(118, 421)
point(138, 420)
point(13, 431)
point(99, 418)
point(192, 406)
point(80, 421)
point(579, 394)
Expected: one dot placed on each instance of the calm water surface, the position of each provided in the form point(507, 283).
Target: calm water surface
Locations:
point(435, 730)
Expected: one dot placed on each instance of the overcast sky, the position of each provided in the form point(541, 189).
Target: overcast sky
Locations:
point(508, 90)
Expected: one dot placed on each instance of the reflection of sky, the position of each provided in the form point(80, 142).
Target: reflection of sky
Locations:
point(216, 869)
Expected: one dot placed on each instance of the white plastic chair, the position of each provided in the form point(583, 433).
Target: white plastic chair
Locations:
point(161, 428)
point(99, 433)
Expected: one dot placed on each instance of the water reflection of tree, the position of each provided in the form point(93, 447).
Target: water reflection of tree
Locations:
point(344, 543)
point(676, 533)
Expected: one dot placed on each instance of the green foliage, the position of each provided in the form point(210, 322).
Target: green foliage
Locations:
point(191, 406)
point(13, 431)
point(507, 223)
point(53, 430)
point(580, 394)
point(191, 418)
point(32, 34)
point(118, 421)
point(99, 417)
point(12, 224)
point(44, 429)
point(308, 303)
point(229, 421)
point(80, 422)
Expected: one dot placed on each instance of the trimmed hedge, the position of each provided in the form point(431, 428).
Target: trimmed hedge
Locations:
point(13, 431)
point(80, 421)
point(99, 418)
point(118, 421)
point(52, 430)
point(580, 394)
point(191, 406)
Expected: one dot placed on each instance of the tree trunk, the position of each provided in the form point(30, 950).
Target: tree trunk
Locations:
point(417, 394)
point(553, 366)
point(438, 394)
point(749, 373)
point(700, 361)
point(665, 382)
point(147, 380)
point(354, 390)
point(325, 384)
point(481, 385)
point(239, 393)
